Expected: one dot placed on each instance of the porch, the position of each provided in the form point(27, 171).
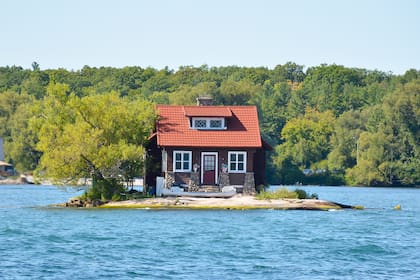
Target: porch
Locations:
point(190, 182)
point(175, 189)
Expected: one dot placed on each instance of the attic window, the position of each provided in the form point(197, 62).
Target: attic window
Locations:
point(199, 123)
point(208, 123)
point(215, 123)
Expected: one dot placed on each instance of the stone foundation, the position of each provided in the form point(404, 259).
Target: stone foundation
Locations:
point(194, 182)
point(224, 179)
point(169, 179)
point(249, 184)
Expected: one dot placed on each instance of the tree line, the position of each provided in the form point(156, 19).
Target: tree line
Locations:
point(328, 124)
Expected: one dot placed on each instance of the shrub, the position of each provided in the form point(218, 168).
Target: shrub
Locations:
point(104, 189)
point(301, 194)
point(116, 197)
point(261, 188)
point(277, 194)
point(285, 193)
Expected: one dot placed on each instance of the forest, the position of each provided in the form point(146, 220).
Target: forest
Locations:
point(327, 124)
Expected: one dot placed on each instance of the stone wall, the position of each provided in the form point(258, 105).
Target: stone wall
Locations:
point(169, 179)
point(194, 182)
point(224, 179)
point(249, 184)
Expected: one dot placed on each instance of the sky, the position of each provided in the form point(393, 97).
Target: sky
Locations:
point(372, 34)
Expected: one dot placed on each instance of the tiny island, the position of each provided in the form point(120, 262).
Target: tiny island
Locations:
point(280, 199)
point(206, 157)
point(233, 203)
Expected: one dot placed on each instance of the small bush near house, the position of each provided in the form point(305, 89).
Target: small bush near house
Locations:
point(285, 193)
point(302, 194)
point(277, 194)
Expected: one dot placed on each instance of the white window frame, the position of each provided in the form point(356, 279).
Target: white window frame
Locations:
point(208, 123)
point(182, 161)
point(229, 161)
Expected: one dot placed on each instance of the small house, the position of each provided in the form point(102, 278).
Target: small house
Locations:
point(6, 169)
point(207, 145)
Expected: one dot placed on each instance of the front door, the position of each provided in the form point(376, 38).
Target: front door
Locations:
point(209, 163)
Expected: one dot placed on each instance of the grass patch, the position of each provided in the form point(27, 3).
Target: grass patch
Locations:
point(277, 194)
point(284, 193)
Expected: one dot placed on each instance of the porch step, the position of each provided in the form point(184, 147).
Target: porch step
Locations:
point(209, 188)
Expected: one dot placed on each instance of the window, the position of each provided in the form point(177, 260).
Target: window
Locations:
point(237, 162)
point(208, 123)
point(199, 123)
point(215, 123)
point(182, 161)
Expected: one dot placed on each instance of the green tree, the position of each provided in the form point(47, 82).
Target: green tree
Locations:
point(272, 109)
point(389, 149)
point(237, 93)
point(345, 141)
point(288, 72)
point(99, 137)
point(373, 161)
point(9, 102)
point(306, 140)
point(21, 147)
point(186, 95)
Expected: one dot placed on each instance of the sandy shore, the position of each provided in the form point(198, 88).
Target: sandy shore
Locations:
point(238, 202)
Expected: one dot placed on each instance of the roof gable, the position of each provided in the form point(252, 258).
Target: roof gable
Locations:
point(173, 127)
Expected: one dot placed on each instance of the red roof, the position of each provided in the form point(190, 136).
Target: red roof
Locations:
point(207, 111)
point(173, 127)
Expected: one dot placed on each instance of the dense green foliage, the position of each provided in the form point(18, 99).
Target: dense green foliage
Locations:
point(328, 125)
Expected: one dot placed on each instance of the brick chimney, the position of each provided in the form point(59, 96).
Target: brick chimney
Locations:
point(204, 101)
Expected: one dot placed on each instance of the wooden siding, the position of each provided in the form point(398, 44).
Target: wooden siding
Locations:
point(235, 178)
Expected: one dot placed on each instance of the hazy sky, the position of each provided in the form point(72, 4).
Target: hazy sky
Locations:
point(372, 34)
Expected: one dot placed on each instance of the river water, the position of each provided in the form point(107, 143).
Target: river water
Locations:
point(42, 242)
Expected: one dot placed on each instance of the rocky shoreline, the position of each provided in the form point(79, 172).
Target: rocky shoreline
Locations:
point(9, 181)
point(238, 202)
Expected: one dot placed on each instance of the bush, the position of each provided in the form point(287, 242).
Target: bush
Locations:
point(261, 188)
point(116, 197)
point(104, 189)
point(285, 193)
point(277, 194)
point(302, 194)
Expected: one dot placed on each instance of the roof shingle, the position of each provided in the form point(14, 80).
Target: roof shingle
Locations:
point(173, 127)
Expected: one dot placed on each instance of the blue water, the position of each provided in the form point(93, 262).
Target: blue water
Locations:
point(41, 242)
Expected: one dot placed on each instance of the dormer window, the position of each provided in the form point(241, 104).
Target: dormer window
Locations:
point(208, 123)
point(200, 123)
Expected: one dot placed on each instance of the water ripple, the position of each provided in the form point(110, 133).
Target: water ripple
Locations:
point(38, 242)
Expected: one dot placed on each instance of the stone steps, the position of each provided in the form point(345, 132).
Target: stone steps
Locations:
point(209, 188)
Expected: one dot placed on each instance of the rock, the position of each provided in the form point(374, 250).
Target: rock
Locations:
point(88, 204)
point(74, 202)
point(397, 207)
point(97, 203)
point(77, 202)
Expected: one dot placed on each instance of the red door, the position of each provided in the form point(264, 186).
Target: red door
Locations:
point(209, 169)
